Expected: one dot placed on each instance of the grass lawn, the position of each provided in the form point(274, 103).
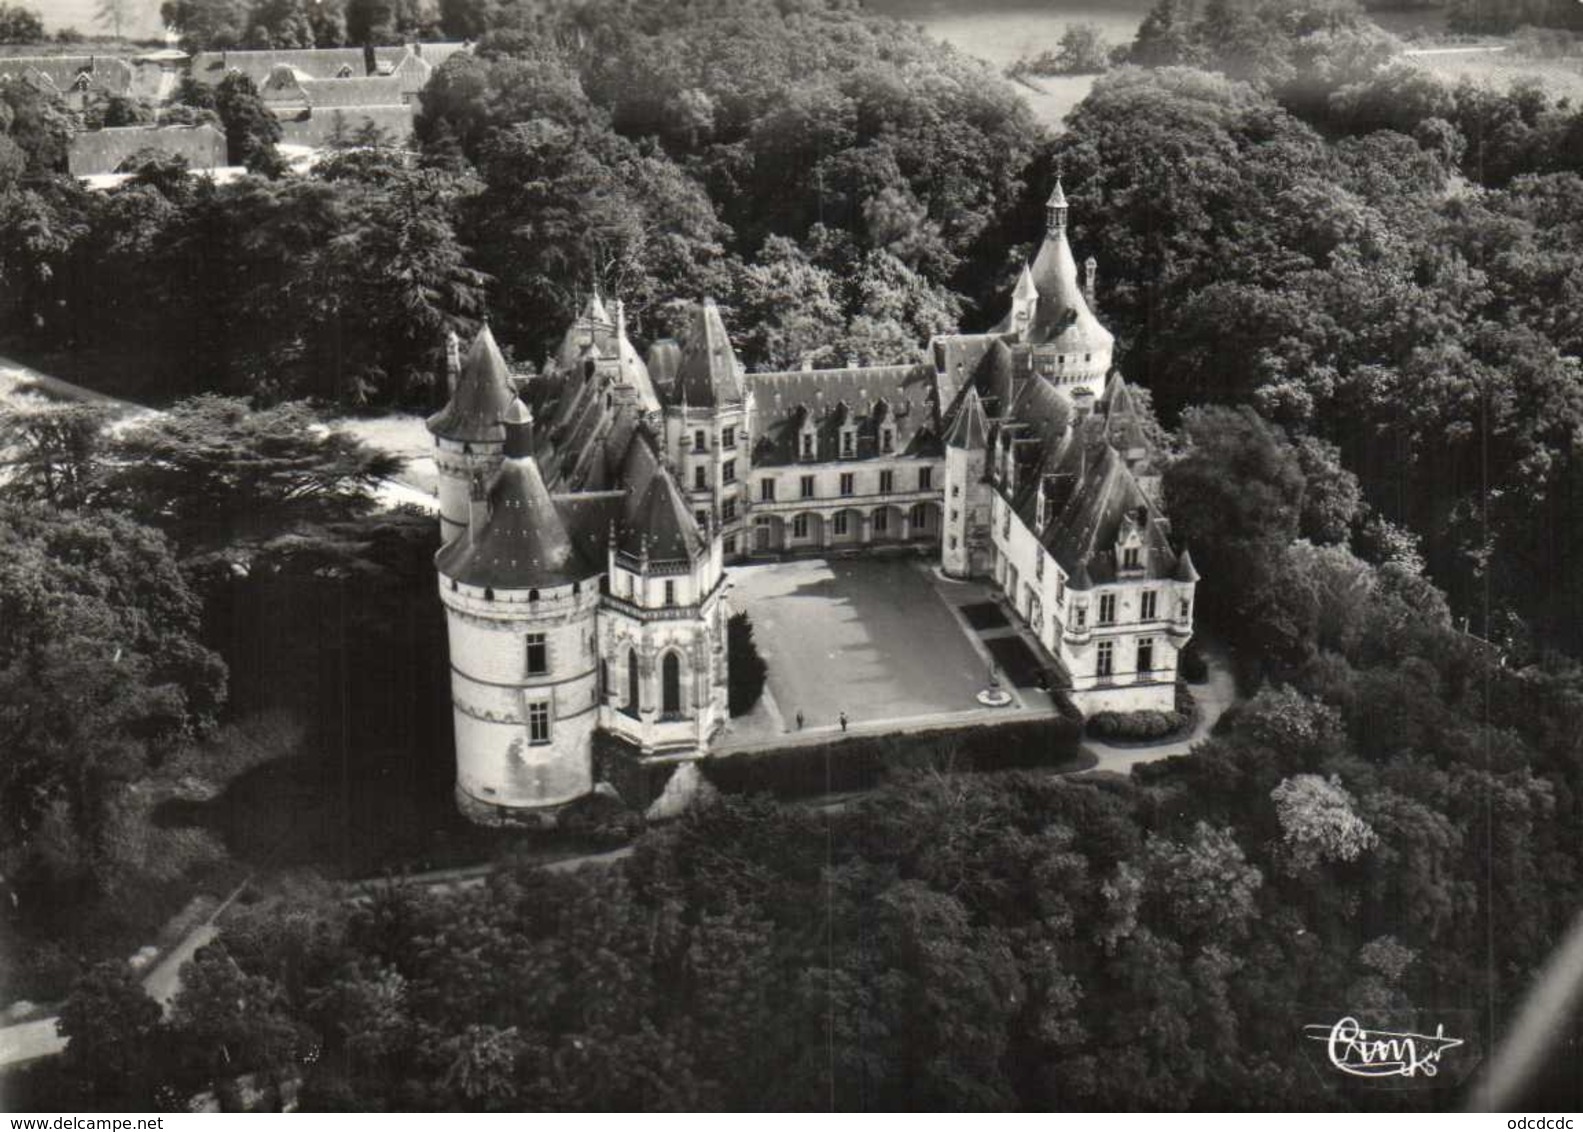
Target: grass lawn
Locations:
point(868, 637)
point(1563, 78)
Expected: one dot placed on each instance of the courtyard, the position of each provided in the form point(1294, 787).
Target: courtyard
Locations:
point(876, 638)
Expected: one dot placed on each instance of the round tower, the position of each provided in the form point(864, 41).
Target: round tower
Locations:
point(521, 609)
point(1070, 347)
point(468, 433)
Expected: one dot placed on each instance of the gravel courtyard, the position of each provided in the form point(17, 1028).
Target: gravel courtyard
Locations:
point(870, 637)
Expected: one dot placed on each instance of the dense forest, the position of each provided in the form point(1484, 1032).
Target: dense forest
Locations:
point(1353, 291)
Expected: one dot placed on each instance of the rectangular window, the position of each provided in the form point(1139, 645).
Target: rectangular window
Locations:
point(538, 655)
point(728, 472)
point(956, 490)
point(730, 544)
point(702, 517)
point(1183, 608)
point(767, 490)
point(807, 487)
point(840, 522)
point(539, 722)
point(807, 446)
point(953, 542)
point(1060, 589)
point(1038, 568)
point(887, 482)
point(728, 438)
point(1080, 617)
point(700, 478)
point(800, 526)
point(700, 441)
point(1005, 523)
point(881, 521)
point(1107, 609)
point(1145, 654)
point(670, 593)
point(1146, 606)
point(887, 440)
point(925, 479)
point(848, 443)
point(847, 483)
point(1107, 661)
point(1129, 558)
point(728, 511)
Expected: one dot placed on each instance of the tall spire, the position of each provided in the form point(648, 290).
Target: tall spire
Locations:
point(1055, 210)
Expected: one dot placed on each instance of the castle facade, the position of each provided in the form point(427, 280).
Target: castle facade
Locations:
point(588, 517)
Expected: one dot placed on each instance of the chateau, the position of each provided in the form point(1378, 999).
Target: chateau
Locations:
point(588, 518)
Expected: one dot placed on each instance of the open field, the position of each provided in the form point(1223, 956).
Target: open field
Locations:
point(1002, 32)
point(1499, 69)
point(141, 19)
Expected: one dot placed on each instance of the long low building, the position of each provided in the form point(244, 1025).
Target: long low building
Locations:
point(94, 152)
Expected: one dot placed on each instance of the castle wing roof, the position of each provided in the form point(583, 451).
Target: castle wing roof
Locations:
point(483, 392)
point(661, 523)
point(901, 398)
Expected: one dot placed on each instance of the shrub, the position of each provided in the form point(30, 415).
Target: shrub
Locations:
point(745, 668)
point(1191, 664)
point(1136, 725)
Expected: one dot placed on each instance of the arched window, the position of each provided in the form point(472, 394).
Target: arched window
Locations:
point(533, 595)
point(489, 594)
point(671, 685)
point(632, 681)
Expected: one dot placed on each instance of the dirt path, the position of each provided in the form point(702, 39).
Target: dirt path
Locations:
point(1213, 696)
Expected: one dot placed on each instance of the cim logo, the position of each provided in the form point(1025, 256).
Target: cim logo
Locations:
point(1388, 1057)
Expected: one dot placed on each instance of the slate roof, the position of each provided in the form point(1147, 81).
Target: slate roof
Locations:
point(372, 90)
point(708, 372)
point(103, 151)
point(523, 544)
point(968, 430)
point(661, 524)
point(313, 63)
point(901, 398)
point(1089, 491)
point(483, 393)
point(1062, 317)
point(317, 128)
point(61, 72)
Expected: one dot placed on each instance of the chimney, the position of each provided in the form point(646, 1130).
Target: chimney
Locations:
point(1090, 269)
point(453, 360)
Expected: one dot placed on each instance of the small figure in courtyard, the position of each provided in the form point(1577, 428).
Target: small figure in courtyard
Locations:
point(843, 721)
point(799, 719)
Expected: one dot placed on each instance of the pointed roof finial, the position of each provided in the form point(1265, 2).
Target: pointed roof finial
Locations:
point(518, 419)
point(1055, 209)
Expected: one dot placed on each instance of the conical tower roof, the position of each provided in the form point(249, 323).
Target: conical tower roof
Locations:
point(483, 393)
point(708, 373)
point(523, 544)
point(662, 522)
point(969, 430)
point(1025, 288)
point(1184, 567)
point(1062, 316)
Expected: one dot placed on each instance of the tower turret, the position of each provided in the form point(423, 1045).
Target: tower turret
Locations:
point(966, 543)
point(468, 434)
point(521, 606)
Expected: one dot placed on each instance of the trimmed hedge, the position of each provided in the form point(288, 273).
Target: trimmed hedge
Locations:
point(862, 762)
point(745, 668)
point(1137, 725)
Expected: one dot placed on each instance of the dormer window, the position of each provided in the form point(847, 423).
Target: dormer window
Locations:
point(807, 446)
point(887, 440)
point(345, 72)
point(848, 443)
point(1130, 558)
